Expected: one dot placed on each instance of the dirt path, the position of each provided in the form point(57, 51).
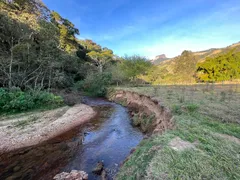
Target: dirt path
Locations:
point(31, 129)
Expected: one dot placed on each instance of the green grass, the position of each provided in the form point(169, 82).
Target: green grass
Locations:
point(213, 158)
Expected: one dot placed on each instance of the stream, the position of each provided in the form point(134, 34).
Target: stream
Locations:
point(109, 138)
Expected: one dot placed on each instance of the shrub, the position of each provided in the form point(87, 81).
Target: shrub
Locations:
point(187, 108)
point(95, 84)
point(15, 100)
point(192, 107)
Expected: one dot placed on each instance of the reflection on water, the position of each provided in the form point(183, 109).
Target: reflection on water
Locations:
point(108, 138)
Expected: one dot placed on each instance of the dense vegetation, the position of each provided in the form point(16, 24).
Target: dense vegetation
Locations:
point(15, 100)
point(220, 68)
point(39, 51)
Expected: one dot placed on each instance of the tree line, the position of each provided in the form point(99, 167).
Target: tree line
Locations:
point(39, 50)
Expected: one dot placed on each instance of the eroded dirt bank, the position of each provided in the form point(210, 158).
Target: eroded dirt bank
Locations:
point(32, 129)
point(150, 115)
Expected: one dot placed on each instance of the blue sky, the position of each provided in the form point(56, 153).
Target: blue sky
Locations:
point(153, 27)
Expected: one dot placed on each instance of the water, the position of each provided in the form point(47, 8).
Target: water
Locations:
point(108, 138)
point(111, 143)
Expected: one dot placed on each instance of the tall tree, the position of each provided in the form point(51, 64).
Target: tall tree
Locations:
point(67, 31)
point(99, 56)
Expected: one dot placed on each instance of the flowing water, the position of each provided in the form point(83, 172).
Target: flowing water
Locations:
point(109, 139)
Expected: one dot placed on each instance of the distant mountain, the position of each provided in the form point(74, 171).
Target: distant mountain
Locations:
point(159, 58)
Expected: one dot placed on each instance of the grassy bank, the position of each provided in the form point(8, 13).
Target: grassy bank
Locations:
point(207, 120)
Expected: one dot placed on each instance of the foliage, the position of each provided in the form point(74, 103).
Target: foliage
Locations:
point(15, 100)
point(42, 55)
point(101, 57)
point(133, 66)
point(95, 84)
point(179, 69)
point(220, 68)
point(205, 66)
point(67, 31)
point(118, 76)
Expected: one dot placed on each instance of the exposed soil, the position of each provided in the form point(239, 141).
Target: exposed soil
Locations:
point(149, 114)
point(32, 129)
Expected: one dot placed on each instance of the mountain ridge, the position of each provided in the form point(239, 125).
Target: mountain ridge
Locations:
point(158, 59)
point(202, 54)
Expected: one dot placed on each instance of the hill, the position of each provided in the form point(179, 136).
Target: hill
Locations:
point(39, 48)
point(184, 68)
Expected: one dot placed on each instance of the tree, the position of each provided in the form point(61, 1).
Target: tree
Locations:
point(98, 55)
point(67, 31)
point(13, 36)
point(132, 66)
point(223, 67)
point(118, 76)
point(101, 58)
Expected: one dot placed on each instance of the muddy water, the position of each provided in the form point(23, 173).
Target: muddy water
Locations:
point(108, 138)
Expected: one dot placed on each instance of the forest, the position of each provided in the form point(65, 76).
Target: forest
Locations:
point(40, 51)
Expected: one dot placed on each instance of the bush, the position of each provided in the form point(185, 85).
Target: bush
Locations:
point(187, 108)
point(192, 107)
point(15, 100)
point(95, 84)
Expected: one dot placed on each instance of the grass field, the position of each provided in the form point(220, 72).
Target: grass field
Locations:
point(208, 118)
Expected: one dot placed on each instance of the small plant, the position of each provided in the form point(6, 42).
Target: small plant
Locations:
point(192, 107)
point(136, 120)
point(177, 109)
point(223, 96)
point(181, 99)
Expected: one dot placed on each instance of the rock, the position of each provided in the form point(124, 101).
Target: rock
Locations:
point(73, 175)
point(99, 168)
point(104, 175)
